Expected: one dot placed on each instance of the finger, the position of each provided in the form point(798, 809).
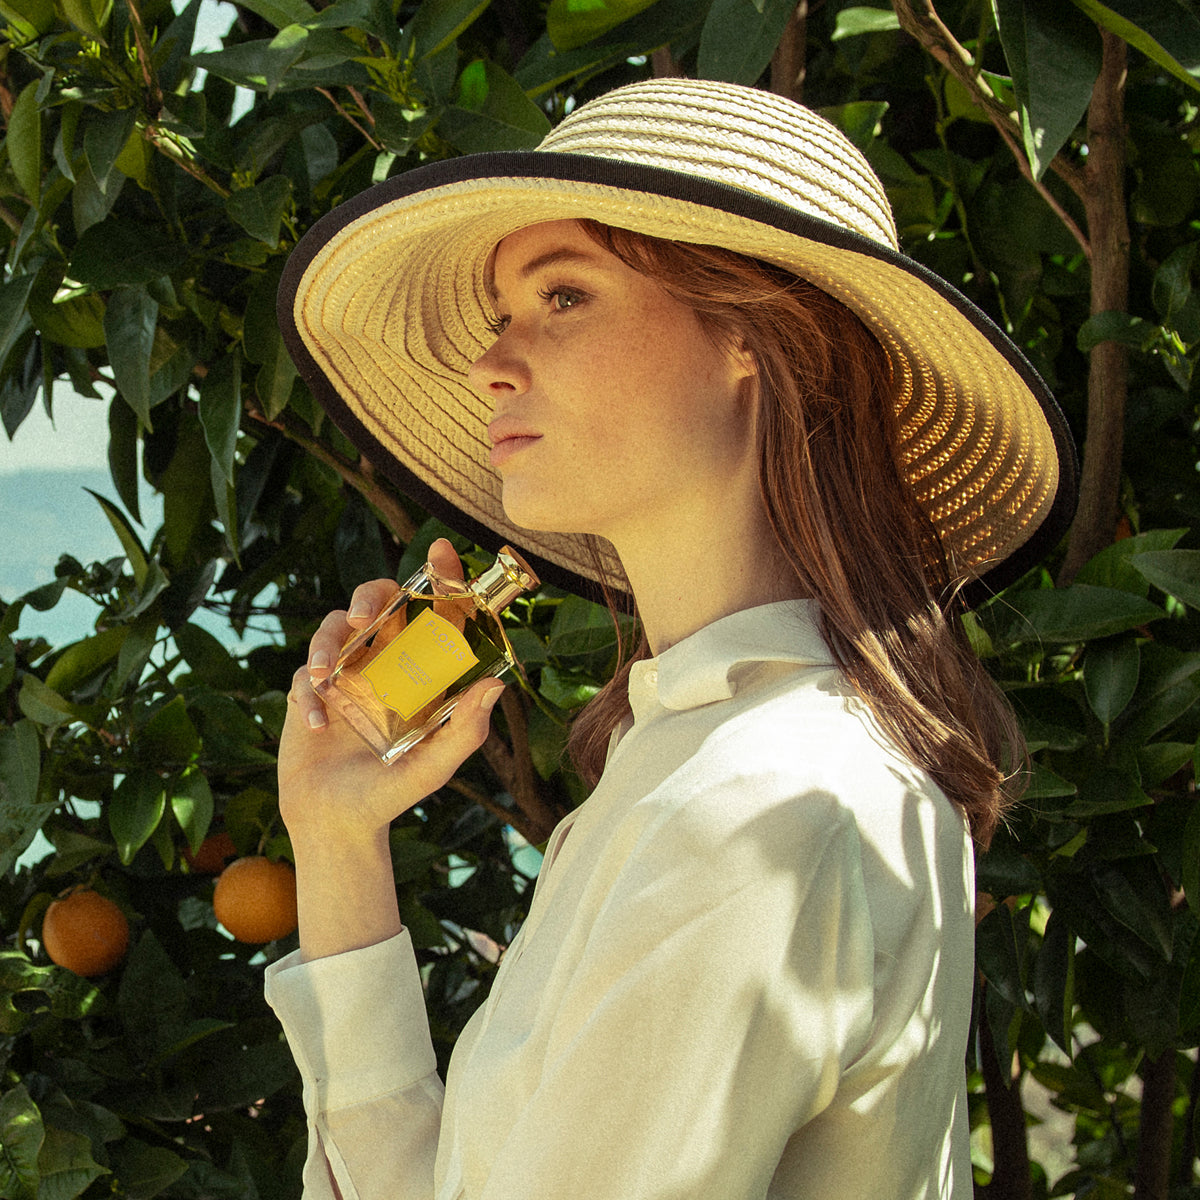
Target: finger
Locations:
point(305, 702)
point(327, 643)
point(369, 600)
point(445, 560)
point(434, 760)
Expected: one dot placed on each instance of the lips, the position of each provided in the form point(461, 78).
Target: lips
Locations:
point(509, 435)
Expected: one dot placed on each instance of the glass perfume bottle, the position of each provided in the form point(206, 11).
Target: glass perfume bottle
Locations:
point(400, 678)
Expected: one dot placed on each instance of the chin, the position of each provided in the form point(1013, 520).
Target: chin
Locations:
point(540, 514)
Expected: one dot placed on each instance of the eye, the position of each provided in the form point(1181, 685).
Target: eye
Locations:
point(561, 298)
point(497, 325)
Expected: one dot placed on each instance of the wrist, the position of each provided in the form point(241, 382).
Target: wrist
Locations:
point(345, 892)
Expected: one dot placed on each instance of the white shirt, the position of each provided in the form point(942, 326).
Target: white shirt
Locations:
point(746, 971)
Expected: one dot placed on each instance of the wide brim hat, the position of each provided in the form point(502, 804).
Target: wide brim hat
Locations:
point(383, 308)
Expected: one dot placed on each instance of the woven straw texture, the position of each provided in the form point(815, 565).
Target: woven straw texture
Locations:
point(391, 310)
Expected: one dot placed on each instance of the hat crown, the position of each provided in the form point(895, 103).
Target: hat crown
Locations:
point(739, 136)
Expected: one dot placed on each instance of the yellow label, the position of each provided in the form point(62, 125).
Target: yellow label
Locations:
point(419, 664)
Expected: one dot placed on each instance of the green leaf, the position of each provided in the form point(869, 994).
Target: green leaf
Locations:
point(1168, 685)
point(104, 137)
point(1166, 32)
point(1111, 567)
point(259, 209)
point(44, 705)
point(145, 1171)
point(220, 412)
point(859, 20)
point(438, 22)
point(1045, 784)
point(1000, 955)
point(123, 454)
point(85, 15)
point(8, 663)
point(1119, 327)
point(22, 814)
point(566, 689)
point(82, 659)
point(14, 318)
point(1054, 980)
point(1134, 894)
point(1078, 613)
point(129, 324)
point(21, 1136)
point(29, 18)
point(1191, 861)
point(580, 627)
point(739, 37)
point(129, 540)
point(169, 736)
point(66, 1165)
point(138, 804)
point(1176, 572)
point(492, 113)
point(1172, 286)
point(1110, 675)
point(119, 253)
point(281, 13)
point(1158, 761)
point(1189, 993)
point(23, 141)
point(573, 23)
point(273, 383)
point(1054, 52)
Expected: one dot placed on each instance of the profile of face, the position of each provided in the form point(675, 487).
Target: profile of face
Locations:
point(613, 410)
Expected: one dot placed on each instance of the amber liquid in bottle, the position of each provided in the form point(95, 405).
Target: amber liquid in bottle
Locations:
point(400, 678)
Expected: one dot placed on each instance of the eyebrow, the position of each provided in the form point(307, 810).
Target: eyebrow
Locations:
point(559, 254)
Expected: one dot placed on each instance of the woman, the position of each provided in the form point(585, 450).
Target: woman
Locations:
point(675, 350)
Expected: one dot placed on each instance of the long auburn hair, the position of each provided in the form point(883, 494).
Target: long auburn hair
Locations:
point(846, 519)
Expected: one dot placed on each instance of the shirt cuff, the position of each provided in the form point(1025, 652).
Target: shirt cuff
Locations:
point(355, 1022)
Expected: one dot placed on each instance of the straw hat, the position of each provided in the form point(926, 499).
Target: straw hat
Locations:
point(383, 308)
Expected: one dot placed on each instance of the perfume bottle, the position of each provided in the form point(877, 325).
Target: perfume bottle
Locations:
point(400, 678)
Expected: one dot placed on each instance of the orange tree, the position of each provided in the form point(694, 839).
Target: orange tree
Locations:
point(1040, 156)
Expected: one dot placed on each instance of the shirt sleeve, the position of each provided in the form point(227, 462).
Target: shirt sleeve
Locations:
point(357, 1028)
point(723, 987)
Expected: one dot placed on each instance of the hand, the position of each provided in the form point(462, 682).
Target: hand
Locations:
point(331, 785)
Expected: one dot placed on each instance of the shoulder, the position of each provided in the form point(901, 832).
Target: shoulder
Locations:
point(797, 769)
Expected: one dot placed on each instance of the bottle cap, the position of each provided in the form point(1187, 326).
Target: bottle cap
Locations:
point(504, 580)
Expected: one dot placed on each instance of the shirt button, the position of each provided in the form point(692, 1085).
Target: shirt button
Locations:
point(652, 676)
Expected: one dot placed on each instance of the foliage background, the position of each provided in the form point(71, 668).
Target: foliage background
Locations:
point(1041, 156)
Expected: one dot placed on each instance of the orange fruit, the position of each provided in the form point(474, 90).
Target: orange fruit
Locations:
point(85, 932)
point(214, 852)
point(255, 899)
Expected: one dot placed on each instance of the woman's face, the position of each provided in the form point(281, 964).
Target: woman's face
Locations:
point(612, 409)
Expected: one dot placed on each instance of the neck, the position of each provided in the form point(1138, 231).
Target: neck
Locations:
point(702, 566)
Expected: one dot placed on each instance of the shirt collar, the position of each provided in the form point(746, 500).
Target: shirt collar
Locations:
point(701, 669)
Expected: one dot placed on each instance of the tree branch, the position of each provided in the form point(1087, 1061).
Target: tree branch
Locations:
point(920, 19)
point(344, 114)
point(788, 61)
point(1108, 367)
point(1155, 1128)
point(360, 476)
point(1006, 1113)
point(514, 767)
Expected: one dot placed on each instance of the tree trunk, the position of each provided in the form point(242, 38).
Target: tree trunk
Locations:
point(1155, 1129)
point(787, 63)
point(1006, 1113)
point(1108, 234)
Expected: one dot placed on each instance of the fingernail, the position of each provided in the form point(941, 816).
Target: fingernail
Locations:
point(316, 719)
point(488, 702)
point(320, 661)
point(358, 610)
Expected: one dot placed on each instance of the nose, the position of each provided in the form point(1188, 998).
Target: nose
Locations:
point(501, 369)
